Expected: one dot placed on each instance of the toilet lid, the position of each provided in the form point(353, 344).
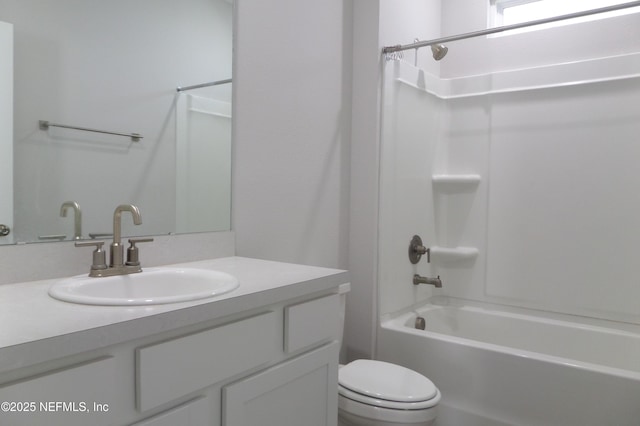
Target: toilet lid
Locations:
point(382, 380)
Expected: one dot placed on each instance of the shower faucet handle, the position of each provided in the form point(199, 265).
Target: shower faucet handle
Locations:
point(416, 250)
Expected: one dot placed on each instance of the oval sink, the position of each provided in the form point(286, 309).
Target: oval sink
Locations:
point(153, 286)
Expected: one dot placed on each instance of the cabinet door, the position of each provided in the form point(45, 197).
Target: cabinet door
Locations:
point(302, 391)
point(77, 396)
point(193, 413)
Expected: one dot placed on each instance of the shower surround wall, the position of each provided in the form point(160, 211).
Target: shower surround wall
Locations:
point(552, 199)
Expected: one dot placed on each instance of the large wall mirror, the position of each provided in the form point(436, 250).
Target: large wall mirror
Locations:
point(114, 66)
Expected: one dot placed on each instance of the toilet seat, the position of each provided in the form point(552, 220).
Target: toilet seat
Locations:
point(382, 403)
point(385, 385)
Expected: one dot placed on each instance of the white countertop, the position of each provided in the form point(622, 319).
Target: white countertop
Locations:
point(35, 327)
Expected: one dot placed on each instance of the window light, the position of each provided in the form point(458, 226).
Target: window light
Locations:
point(509, 12)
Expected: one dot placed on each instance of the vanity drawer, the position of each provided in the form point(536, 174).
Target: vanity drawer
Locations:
point(311, 322)
point(172, 369)
point(194, 413)
point(66, 397)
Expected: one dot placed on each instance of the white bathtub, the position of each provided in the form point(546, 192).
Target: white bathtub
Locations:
point(503, 366)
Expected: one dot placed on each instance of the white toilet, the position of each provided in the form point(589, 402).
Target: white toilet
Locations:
point(377, 393)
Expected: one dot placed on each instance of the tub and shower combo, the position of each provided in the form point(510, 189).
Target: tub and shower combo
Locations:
point(519, 365)
point(518, 165)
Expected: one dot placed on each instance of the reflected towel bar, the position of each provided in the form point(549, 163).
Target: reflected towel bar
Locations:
point(44, 125)
point(198, 86)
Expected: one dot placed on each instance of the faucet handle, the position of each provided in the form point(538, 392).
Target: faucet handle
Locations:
point(132, 251)
point(99, 256)
point(416, 250)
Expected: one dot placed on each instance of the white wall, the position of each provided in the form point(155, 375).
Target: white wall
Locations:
point(363, 223)
point(302, 193)
point(292, 128)
point(111, 66)
point(375, 24)
point(291, 172)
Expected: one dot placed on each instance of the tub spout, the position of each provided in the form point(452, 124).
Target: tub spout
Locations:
point(420, 323)
point(417, 279)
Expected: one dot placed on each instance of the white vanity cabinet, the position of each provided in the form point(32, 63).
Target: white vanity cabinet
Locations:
point(271, 366)
point(302, 391)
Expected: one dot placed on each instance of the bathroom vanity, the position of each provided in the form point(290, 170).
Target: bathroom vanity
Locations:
point(264, 354)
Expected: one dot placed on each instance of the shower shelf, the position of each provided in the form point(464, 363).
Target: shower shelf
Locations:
point(450, 255)
point(455, 181)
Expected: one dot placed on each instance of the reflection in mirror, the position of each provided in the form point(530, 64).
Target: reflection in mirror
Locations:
point(114, 66)
point(6, 132)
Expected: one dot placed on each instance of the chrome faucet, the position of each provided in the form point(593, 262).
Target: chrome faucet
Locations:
point(417, 279)
point(77, 217)
point(117, 266)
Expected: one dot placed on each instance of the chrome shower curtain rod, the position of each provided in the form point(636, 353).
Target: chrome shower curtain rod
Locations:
point(442, 40)
point(198, 86)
